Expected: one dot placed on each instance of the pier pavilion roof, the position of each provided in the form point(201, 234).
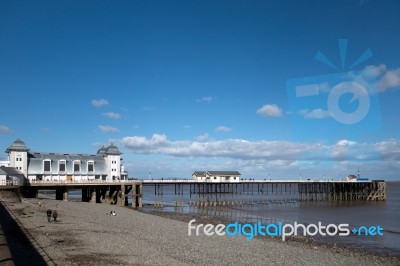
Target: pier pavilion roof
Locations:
point(216, 173)
point(200, 173)
point(224, 173)
point(113, 150)
point(17, 145)
point(101, 151)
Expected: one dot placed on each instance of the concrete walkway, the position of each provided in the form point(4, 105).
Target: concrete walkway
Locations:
point(5, 253)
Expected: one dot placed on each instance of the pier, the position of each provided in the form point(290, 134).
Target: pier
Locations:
point(204, 194)
point(93, 191)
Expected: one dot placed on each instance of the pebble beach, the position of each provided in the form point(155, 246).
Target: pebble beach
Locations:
point(86, 234)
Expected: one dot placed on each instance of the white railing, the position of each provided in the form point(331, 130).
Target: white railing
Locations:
point(288, 180)
point(90, 181)
point(8, 183)
point(97, 181)
point(191, 181)
point(296, 181)
point(169, 180)
point(245, 181)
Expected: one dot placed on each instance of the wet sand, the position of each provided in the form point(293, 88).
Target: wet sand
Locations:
point(87, 235)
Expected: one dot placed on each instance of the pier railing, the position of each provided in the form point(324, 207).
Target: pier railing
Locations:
point(297, 181)
point(248, 181)
point(8, 183)
point(169, 181)
point(88, 181)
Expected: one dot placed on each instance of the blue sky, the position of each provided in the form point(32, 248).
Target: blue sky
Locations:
point(191, 85)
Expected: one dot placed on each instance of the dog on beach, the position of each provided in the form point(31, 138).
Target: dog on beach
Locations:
point(112, 213)
point(55, 215)
point(49, 212)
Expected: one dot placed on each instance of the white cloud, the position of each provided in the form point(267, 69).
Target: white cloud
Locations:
point(203, 137)
point(138, 142)
point(374, 71)
point(203, 146)
point(5, 130)
point(112, 115)
point(187, 126)
point(390, 80)
point(108, 129)
point(271, 110)
point(148, 108)
point(255, 159)
point(389, 149)
point(207, 99)
point(223, 129)
point(342, 150)
point(345, 142)
point(385, 78)
point(99, 102)
point(314, 114)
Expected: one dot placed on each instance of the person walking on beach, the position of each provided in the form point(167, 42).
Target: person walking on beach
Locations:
point(49, 215)
point(55, 215)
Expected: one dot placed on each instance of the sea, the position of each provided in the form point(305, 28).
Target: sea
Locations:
point(273, 209)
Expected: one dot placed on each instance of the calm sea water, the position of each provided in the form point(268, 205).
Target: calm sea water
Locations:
point(386, 214)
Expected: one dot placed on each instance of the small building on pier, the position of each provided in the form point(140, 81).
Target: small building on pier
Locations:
point(216, 176)
point(51, 166)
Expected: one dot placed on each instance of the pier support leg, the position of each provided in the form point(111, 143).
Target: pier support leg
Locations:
point(92, 195)
point(59, 194)
point(114, 195)
point(107, 198)
point(65, 195)
point(99, 194)
point(85, 195)
point(126, 196)
point(62, 194)
point(140, 196)
point(137, 191)
point(134, 201)
point(121, 197)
